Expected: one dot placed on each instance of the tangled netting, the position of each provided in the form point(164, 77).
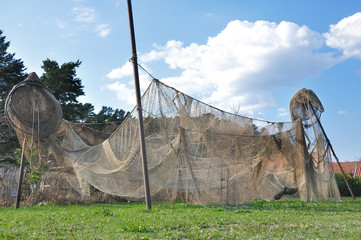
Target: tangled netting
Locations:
point(200, 154)
point(32, 109)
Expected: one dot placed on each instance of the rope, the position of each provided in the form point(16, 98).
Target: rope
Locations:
point(146, 71)
point(38, 106)
point(131, 60)
point(32, 138)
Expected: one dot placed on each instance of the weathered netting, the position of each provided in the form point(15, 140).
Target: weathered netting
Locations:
point(32, 109)
point(306, 106)
point(201, 155)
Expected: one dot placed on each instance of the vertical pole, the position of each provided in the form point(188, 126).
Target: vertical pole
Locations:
point(355, 173)
point(139, 107)
point(333, 152)
point(21, 174)
point(300, 164)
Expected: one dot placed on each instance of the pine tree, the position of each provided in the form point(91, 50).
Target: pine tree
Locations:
point(11, 73)
point(66, 88)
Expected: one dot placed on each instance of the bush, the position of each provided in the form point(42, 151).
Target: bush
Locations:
point(355, 183)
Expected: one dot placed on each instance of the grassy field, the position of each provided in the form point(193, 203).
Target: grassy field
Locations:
point(255, 220)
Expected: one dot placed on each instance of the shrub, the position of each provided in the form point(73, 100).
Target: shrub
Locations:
point(355, 183)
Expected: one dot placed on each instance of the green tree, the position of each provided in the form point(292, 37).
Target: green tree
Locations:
point(107, 116)
point(12, 71)
point(66, 88)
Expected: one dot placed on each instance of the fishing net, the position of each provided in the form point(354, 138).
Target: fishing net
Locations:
point(200, 154)
point(30, 105)
point(306, 106)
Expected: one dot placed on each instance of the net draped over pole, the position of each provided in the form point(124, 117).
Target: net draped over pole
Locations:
point(201, 155)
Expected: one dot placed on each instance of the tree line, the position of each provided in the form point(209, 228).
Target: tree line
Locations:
point(62, 82)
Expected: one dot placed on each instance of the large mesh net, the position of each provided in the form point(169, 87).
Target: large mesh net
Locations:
point(200, 154)
point(32, 109)
point(306, 106)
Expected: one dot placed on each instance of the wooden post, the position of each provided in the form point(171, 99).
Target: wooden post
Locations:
point(300, 170)
point(139, 107)
point(333, 152)
point(21, 174)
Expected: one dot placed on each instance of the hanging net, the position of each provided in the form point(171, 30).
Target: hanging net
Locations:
point(30, 105)
point(306, 106)
point(199, 154)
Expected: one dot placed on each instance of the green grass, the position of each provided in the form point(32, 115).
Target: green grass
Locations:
point(255, 220)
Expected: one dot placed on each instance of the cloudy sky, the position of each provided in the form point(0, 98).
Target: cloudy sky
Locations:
point(248, 57)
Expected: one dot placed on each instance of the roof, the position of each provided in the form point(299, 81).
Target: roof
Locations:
point(348, 167)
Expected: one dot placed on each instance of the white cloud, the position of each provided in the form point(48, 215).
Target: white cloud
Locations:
point(87, 17)
point(84, 14)
point(127, 94)
point(342, 112)
point(118, 3)
point(144, 81)
point(247, 61)
point(103, 29)
point(346, 36)
point(124, 71)
point(61, 24)
point(282, 112)
point(123, 92)
point(153, 55)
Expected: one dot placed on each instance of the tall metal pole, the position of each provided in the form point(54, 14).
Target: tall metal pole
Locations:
point(139, 107)
point(21, 174)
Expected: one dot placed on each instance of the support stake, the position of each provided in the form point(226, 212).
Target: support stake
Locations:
point(21, 174)
point(139, 107)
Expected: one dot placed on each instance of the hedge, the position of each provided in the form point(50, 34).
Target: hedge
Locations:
point(355, 183)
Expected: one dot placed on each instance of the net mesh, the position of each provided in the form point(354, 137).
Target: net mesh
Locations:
point(202, 155)
point(30, 105)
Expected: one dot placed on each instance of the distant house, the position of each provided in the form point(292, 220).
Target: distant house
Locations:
point(349, 167)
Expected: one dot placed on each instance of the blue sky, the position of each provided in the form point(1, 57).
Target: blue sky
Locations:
point(248, 57)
